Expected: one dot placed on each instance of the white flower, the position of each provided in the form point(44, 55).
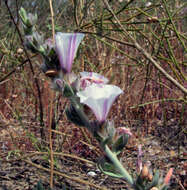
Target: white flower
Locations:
point(66, 46)
point(99, 98)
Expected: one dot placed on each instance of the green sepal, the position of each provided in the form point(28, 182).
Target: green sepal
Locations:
point(28, 30)
point(121, 142)
point(68, 91)
point(29, 20)
point(139, 183)
point(23, 15)
point(34, 43)
point(105, 141)
point(32, 19)
point(138, 187)
point(107, 132)
point(41, 49)
point(51, 52)
point(73, 116)
point(30, 45)
point(139, 180)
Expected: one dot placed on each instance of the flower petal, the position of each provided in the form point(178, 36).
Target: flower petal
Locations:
point(66, 47)
point(88, 78)
point(123, 130)
point(99, 98)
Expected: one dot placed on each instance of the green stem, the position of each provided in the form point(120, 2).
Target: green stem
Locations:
point(118, 165)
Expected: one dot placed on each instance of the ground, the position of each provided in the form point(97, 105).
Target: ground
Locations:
point(24, 163)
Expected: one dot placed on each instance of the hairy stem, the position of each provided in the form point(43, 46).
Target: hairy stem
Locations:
point(118, 165)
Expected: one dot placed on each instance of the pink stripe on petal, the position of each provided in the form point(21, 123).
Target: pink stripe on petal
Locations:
point(59, 49)
point(73, 50)
point(105, 110)
point(69, 55)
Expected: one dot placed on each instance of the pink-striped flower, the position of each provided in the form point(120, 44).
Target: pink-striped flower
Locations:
point(99, 98)
point(66, 48)
point(123, 130)
point(88, 78)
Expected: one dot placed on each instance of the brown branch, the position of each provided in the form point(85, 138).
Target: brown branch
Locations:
point(52, 94)
point(52, 20)
point(146, 54)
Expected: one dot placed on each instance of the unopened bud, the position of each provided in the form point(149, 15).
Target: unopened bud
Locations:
point(31, 19)
point(145, 172)
point(150, 177)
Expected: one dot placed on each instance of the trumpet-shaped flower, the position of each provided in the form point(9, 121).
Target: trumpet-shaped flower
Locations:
point(66, 48)
point(99, 98)
point(87, 78)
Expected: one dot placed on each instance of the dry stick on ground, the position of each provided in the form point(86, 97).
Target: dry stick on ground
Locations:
point(145, 53)
point(76, 179)
point(52, 95)
point(32, 154)
point(32, 70)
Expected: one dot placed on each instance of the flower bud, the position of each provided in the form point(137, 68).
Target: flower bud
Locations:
point(150, 176)
point(58, 84)
point(145, 171)
point(32, 19)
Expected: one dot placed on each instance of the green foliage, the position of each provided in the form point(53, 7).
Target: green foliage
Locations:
point(108, 168)
point(29, 21)
point(119, 145)
point(73, 116)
